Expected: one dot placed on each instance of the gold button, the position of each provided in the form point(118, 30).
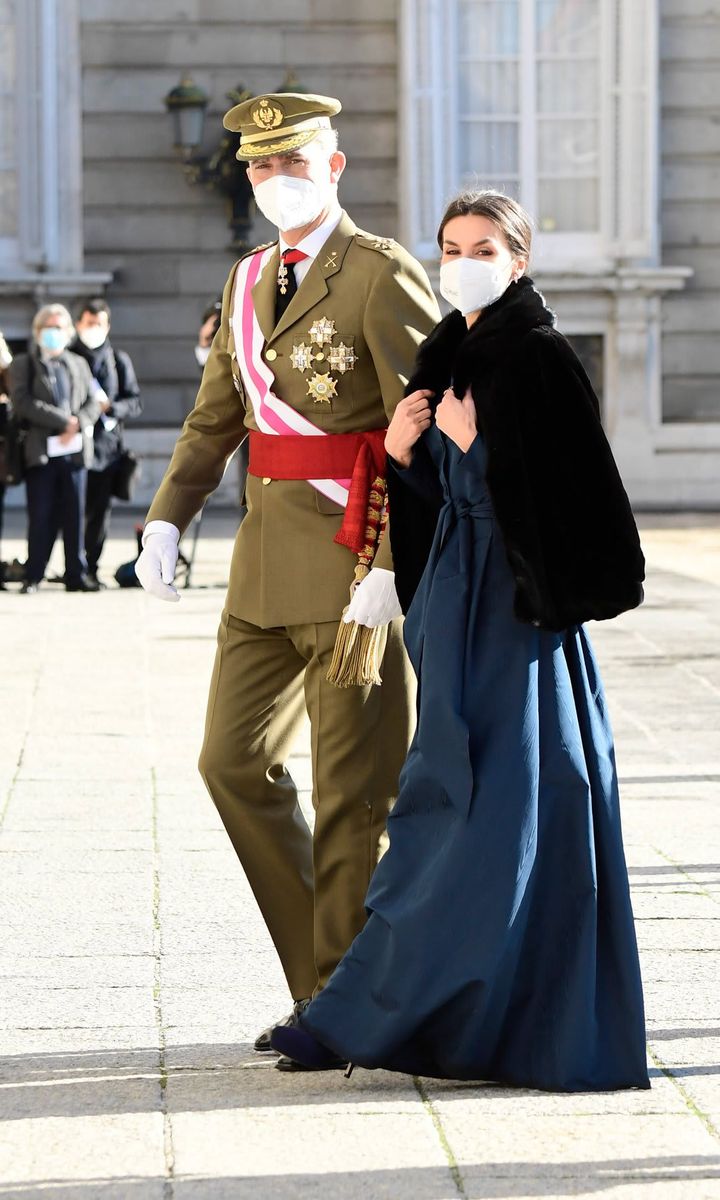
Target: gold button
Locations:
point(319, 357)
point(271, 355)
point(267, 479)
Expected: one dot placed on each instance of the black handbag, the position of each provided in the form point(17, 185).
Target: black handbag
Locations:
point(12, 453)
point(125, 476)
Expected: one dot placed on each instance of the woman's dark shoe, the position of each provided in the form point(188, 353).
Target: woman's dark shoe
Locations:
point(262, 1043)
point(303, 1051)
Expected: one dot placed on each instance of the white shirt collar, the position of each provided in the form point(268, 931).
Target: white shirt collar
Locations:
point(314, 242)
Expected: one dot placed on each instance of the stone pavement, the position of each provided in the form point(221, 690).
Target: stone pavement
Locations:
point(135, 970)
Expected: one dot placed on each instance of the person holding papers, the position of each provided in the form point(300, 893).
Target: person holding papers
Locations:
point(58, 401)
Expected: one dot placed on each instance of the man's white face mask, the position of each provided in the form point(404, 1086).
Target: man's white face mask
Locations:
point(289, 202)
point(470, 284)
point(93, 336)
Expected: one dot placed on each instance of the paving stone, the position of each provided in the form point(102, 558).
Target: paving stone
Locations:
point(128, 1011)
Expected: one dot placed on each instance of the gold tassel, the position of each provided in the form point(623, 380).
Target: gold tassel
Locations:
point(358, 649)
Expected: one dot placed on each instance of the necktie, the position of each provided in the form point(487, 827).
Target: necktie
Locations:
point(286, 282)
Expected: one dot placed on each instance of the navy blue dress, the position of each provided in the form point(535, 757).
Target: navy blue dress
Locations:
point(500, 942)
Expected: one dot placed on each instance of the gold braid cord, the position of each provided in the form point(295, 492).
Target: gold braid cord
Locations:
point(359, 650)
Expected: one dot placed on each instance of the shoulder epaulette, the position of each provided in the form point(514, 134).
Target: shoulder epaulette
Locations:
point(256, 249)
point(372, 242)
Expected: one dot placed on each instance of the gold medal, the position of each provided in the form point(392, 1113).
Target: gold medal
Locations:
point(322, 388)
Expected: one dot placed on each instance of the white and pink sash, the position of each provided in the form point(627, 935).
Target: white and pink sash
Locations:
point(272, 415)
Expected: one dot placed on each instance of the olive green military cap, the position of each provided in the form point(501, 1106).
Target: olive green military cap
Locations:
point(276, 123)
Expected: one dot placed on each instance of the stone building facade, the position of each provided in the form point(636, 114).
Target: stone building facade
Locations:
point(602, 115)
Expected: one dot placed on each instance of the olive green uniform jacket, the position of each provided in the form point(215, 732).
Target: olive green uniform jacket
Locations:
point(286, 568)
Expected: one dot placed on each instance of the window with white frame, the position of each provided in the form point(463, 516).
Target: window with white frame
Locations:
point(40, 152)
point(551, 101)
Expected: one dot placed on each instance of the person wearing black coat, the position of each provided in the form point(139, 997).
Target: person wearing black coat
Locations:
point(500, 942)
point(114, 371)
point(56, 399)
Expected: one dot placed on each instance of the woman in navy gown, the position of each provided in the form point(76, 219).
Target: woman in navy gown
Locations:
point(500, 942)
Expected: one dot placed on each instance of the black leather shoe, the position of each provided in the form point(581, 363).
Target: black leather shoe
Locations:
point(28, 589)
point(300, 1051)
point(262, 1043)
point(92, 577)
point(84, 584)
point(283, 1063)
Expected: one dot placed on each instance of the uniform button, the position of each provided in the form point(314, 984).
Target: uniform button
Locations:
point(271, 355)
point(267, 479)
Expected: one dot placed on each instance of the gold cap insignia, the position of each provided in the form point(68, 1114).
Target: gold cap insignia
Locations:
point(267, 115)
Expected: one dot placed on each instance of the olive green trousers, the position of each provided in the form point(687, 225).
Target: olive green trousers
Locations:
point(310, 887)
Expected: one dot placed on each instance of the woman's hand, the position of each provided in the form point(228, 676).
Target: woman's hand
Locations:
point(410, 420)
point(457, 418)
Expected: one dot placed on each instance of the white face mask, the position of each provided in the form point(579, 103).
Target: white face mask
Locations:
point(202, 354)
point(289, 202)
point(92, 337)
point(471, 283)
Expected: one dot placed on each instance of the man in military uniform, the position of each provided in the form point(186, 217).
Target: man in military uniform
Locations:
point(317, 337)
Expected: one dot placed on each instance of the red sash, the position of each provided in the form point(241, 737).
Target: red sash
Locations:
point(360, 457)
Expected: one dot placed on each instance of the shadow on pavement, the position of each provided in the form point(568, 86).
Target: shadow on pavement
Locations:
point(491, 1181)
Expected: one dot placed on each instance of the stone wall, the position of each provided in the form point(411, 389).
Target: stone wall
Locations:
point(167, 241)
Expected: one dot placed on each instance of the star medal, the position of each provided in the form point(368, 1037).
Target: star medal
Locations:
point(341, 358)
point(322, 388)
point(302, 357)
point(322, 331)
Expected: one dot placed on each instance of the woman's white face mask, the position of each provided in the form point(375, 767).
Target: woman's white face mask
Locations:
point(289, 202)
point(470, 284)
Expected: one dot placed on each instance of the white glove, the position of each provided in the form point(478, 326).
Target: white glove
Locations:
point(374, 601)
point(155, 568)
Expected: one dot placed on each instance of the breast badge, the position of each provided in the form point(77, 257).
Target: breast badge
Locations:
point(341, 358)
point(322, 386)
point(322, 331)
point(302, 357)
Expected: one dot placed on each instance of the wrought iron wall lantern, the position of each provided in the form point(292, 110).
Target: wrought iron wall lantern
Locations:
point(220, 171)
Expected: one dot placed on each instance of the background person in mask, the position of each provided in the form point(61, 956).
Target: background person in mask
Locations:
point(121, 402)
point(208, 328)
point(54, 393)
point(317, 336)
point(500, 943)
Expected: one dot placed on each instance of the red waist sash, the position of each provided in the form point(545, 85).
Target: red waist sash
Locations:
point(359, 457)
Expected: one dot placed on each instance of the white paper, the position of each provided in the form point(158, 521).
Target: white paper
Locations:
point(56, 448)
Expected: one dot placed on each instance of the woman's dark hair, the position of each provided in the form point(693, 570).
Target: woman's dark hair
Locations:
point(509, 216)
